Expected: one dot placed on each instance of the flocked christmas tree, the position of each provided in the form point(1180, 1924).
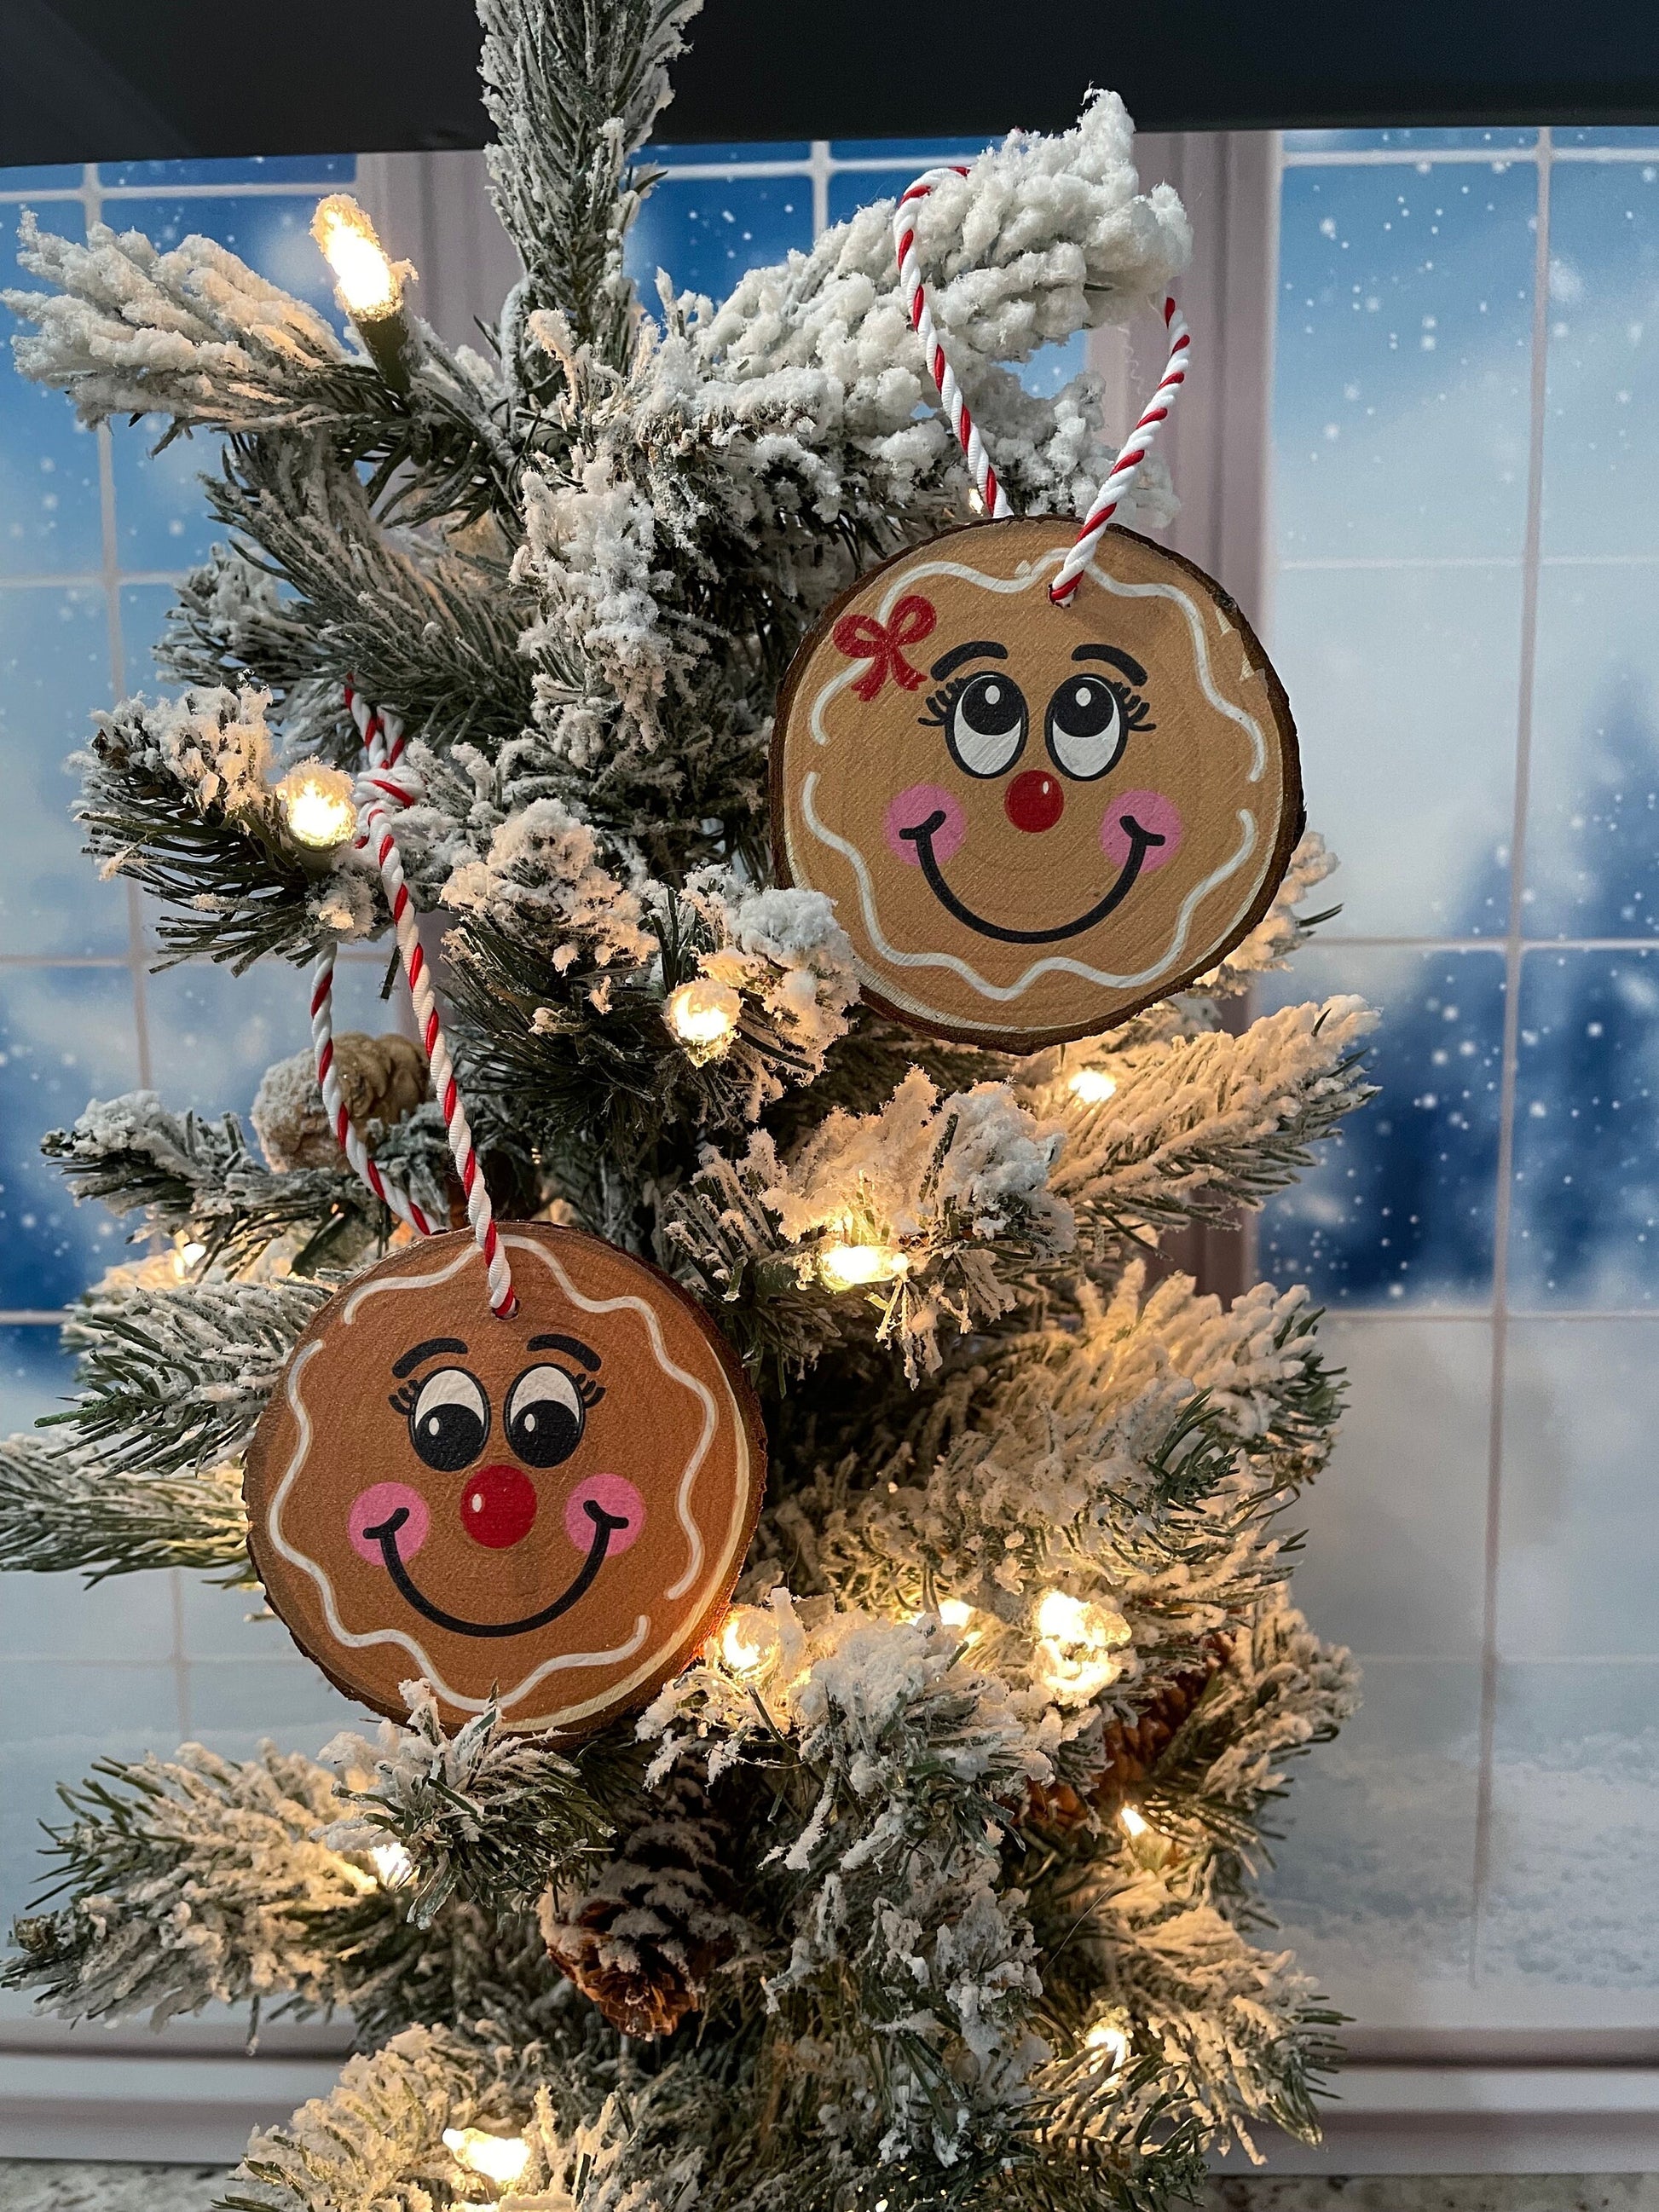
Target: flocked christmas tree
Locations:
point(929, 1878)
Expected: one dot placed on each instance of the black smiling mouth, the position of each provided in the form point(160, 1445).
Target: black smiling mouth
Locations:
point(605, 1525)
point(922, 833)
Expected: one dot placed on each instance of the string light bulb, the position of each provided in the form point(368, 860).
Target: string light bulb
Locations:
point(1133, 1822)
point(847, 1264)
point(703, 1016)
point(368, 283)
point(392, 1864)
point(187, 1255)
point(1110, 2036)
point(749, 1642)
point(955, 1611)
point(319, 811)
point(1092, 1086)
point(500, 2159)
point(1076, 1647)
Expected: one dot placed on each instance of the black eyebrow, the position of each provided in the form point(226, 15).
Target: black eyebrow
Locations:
point(572, 1345)
point(958, 653)
point(1132, 669)
point(424, 1351)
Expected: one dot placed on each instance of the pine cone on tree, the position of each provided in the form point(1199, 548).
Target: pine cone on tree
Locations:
point(381, 1079)
point(1130, 1750)
point(644, 1939)
point(1133, 1748)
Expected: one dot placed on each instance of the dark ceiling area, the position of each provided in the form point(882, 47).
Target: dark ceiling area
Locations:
point(84, 80)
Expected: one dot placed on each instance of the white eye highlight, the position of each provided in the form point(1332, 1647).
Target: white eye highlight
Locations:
point(986, 730)
point(1085, 731)
point(449, 1420)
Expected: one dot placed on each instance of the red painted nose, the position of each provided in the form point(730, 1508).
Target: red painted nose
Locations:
point(1035, 800)
point(498, 1506)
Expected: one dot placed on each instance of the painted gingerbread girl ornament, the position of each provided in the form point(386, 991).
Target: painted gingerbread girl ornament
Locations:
point(1047, 776)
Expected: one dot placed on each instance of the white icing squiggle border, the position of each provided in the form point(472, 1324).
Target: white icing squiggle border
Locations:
point(1058, 964)
point(562, 1663)
point(1047, 963)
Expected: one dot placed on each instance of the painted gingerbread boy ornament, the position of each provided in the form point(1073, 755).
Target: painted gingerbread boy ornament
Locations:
point(550, 1509)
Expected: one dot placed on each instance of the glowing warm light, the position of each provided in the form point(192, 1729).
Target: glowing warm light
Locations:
point(844, 1266)
point(1092, 1085)
point(1108, 2035)
point(316, 805)
point(500, 2159)
point(185, 1257)
point(1135, 1823)
point(749, 1642)
point(392, 1863)
point(703, 1016)
point(369, 283)
point(1078, 1642)
point(954, 1612)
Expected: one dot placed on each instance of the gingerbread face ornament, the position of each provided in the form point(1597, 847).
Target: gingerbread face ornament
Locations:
point(550, 1509)
point(1034, 819)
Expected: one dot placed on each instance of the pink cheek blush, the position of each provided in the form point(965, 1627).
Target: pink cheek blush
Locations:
point(1153, 812)
point(920, 803)
point(372, 1508)
point(613, 1494)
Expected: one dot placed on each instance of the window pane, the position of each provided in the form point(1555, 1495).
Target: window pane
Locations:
point(706, 232)
point(66, 1035)
point(51, 518)
point(1601, 455)
point(1401, 376)
point(1593, 813)
point(1373, 1883)
point(1586, 1191)
point(54, 675)
point(1403, 683)
point(1581, 1539)
point(1399, 1208)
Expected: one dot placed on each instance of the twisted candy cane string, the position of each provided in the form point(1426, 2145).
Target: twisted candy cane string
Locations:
point(921, 318)
point(1127, 466)
point(1139, 444)
point(383, 788)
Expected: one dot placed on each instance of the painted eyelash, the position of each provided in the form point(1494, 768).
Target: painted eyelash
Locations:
point(1135, 709)
point(1136, 712)
point(938, 703)
point(402, 1400)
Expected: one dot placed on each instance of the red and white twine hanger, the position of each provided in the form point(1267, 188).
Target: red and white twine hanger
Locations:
point(389, 785)
point(1136, 448)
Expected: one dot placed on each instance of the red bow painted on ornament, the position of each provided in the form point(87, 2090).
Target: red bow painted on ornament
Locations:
point(861, 637)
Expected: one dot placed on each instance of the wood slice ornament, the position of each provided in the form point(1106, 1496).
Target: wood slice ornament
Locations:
point(1034, 818)
point(1046, 774)
point(550, 1509)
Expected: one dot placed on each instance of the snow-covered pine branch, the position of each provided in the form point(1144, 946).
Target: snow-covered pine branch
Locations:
point(64, 1510)
point(196, 1882)
point(1041, 238)
point(197, 1181)
point(573, 92)
point(194, 333)
point(171, 1379)
point(1199, 1127)
point(953, 1189)
point(490, 1815)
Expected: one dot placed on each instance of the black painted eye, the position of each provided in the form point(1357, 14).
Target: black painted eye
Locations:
point(986, 726)
point(1086, 730)
point(449, 1420)
point(545, 1416)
